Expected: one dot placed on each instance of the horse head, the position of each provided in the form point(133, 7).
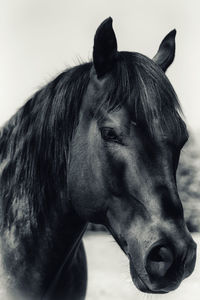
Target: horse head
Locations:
point(123, 161)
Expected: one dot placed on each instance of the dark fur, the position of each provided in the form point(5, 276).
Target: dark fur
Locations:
point(36, 140)
point(35, 147)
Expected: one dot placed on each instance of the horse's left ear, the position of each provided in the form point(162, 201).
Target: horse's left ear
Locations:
point(105, 48)
point(166, 52)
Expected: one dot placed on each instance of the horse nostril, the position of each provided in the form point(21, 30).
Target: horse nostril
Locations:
point(159, 261)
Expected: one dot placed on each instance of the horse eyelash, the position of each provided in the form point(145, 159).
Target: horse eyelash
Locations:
point(133, 123)
point(118, 139)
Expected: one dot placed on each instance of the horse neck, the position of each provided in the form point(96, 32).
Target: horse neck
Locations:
point(34, 240)
point(39, 229)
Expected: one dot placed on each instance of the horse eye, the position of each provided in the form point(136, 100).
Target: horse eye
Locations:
point(109, 134)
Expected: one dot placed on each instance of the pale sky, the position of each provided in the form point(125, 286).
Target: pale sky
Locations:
point(40, 38)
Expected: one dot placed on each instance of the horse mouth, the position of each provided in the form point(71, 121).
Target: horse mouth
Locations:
point(141, 284)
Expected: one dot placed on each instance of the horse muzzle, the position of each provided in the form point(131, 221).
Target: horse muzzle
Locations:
point(164, 267)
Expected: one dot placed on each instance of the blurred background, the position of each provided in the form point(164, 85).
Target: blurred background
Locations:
point(40, 38)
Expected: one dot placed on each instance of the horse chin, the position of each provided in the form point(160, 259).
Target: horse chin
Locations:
point(137, 280)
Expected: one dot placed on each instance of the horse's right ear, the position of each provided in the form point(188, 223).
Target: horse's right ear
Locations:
point(105, 48)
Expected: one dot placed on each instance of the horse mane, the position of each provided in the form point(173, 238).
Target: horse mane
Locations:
point(34, 144)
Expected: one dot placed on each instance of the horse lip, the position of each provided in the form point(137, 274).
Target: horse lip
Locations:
point(143, 287)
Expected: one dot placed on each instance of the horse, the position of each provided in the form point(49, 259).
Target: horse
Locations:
point(100, 143)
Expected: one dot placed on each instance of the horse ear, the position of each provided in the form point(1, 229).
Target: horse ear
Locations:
point(166, 52)
point(105, 48)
